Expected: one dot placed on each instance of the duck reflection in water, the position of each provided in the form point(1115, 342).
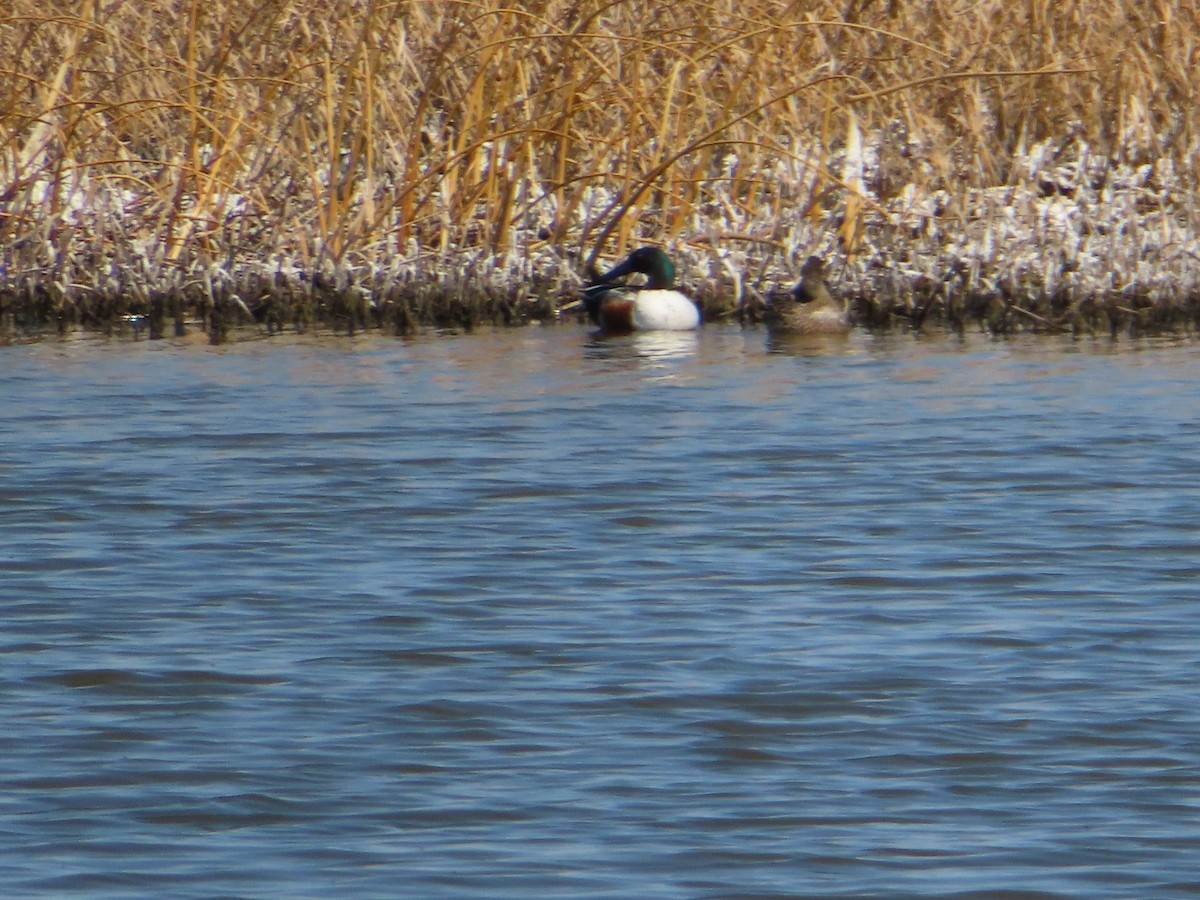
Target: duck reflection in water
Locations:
point(645, 346)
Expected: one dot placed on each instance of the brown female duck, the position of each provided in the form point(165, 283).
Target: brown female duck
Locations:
point(810, 309)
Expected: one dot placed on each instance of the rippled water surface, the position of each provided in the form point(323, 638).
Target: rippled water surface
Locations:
point(526, 614)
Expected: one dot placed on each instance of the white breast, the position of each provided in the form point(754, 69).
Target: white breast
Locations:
point(664, 311)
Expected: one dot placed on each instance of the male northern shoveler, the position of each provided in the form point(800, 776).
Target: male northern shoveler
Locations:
point(811, 309)
point(653, 306)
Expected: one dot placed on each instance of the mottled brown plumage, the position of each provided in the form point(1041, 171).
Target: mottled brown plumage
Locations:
point(810, 309)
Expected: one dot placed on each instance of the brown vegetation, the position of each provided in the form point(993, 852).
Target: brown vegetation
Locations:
point(403, 162)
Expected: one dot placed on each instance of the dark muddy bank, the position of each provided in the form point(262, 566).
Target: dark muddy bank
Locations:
point(405, 307)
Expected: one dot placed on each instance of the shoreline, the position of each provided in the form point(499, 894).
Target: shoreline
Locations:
point(1080, 245)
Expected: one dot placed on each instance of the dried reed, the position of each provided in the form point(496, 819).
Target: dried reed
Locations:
point(408, 162)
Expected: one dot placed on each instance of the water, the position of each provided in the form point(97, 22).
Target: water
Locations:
point(526, 614)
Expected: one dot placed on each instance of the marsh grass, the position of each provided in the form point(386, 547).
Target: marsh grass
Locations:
point(402, 164)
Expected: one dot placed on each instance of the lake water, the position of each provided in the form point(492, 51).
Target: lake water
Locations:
point(527, 614)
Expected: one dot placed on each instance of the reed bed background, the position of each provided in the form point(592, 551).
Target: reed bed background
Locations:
point(401, 163)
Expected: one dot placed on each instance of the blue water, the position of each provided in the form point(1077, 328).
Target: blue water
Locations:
point(529, 614)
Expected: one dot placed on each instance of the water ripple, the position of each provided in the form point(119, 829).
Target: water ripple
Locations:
point(530, 613)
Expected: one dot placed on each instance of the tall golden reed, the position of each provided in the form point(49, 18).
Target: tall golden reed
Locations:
point(160, 144)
